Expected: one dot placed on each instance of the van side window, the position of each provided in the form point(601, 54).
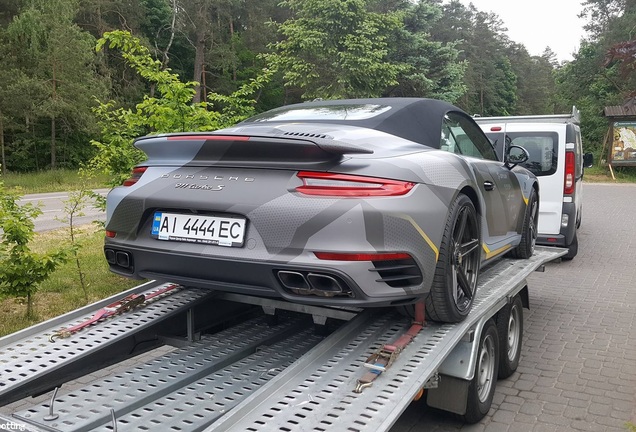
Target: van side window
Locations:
point(542, 148)
point(461, 136)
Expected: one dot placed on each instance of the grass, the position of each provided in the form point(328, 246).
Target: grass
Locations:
point(50, 181)
point(62, 292)
point(601, 174)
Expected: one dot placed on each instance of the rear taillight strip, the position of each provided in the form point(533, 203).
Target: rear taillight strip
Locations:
point(353, 256)
point(345, 185)
point(137, 172)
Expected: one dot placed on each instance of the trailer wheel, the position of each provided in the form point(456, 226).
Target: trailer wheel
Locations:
point(482, 387)
point(510, 329)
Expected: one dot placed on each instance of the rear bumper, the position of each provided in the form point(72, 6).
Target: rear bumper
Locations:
point(257, 278)
point(566, 234)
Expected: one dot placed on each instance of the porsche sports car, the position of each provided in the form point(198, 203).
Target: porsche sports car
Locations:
point(361, 202)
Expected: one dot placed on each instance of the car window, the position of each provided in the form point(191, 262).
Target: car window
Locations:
point(460, 135)
point(542, 148)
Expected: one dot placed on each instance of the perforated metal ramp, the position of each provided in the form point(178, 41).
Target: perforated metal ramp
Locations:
point(316, 393)
point(29, 355)
point(186, 389)
point(253, 377)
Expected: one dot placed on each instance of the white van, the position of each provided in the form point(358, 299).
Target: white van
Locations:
point(556, 158)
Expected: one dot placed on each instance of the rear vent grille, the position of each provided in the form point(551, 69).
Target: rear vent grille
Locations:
point(307, 135)
point(398, 273)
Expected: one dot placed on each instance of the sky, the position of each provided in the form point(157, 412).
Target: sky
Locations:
point(539, 23)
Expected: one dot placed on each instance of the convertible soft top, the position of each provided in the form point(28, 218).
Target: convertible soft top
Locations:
point(408, 118)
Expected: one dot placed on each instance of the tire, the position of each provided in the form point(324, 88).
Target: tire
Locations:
point(573, 249)
point(510, 330)
point(529, 230)
point(482, 387)
point(455, 279)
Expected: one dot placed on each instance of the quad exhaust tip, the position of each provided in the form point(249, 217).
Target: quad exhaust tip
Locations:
point(119, 258)
point(302, 283)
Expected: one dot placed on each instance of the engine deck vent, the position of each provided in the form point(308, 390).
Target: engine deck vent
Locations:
point(307, 135)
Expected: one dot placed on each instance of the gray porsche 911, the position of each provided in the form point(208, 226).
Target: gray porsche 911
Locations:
point(361, 202)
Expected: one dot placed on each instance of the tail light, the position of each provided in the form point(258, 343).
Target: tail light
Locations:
point(137, 172)
point(343, 185)
point(568, 186)
point(390, 256)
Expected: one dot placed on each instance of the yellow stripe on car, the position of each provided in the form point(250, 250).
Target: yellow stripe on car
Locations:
point(423, 234)
point(490, 254)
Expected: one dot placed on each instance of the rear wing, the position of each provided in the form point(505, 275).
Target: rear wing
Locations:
point(573, 117)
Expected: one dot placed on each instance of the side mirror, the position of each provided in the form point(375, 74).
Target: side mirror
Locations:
point(588, 160)
point(516, 155)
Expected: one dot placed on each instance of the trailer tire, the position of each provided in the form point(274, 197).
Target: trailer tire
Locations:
point(510, 329)
point(481, 389)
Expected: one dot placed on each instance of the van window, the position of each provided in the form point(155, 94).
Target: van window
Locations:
point(542, 147)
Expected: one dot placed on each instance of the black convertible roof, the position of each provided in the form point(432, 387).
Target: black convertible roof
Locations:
point(415, 119)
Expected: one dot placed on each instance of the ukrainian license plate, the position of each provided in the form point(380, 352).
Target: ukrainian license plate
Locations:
point(214, 230)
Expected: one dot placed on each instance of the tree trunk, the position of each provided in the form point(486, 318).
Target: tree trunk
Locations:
point(199, 59)
point(3, 161)
point(29, 312)
point(233, 49)
point(53, 122)
point(53, 142)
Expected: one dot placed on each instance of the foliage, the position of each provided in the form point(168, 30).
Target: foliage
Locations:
point(336, 49)
point(54, 65)
point(22, 269)
point(51, 78)
point(74, 208)
point(169, 110)
point(432, 67)
point(61, 293)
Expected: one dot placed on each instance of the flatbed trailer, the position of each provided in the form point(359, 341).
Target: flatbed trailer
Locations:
point(252, 364)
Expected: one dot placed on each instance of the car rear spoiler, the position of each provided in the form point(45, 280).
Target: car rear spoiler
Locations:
point(209, 149)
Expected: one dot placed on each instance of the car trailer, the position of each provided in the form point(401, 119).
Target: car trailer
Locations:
point(243, 363)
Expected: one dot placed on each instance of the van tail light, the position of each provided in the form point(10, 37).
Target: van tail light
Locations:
point(343, 185)
point(137, 172)
point(568, 186)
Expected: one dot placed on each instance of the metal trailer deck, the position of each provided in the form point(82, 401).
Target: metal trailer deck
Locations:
point(238, 368)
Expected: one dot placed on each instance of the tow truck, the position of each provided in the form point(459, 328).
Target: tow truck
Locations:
point(239, 363)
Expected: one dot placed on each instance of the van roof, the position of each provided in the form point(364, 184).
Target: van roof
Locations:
point(574, 117)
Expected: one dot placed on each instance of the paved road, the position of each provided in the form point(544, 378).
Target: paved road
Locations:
point(578, 365)
point(52, 205)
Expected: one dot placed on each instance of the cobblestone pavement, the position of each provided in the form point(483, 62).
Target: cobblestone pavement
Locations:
point(578, 364)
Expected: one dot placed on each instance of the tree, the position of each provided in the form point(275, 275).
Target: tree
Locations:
point(168, 110)
point(22, 269)
point(336, 48)
point(432, 67)
point(58, 64)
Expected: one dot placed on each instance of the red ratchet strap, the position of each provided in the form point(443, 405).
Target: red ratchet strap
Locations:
point(116, 308)
point(384, 357)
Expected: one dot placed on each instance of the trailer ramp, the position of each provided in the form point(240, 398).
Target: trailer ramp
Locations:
point(259, 377)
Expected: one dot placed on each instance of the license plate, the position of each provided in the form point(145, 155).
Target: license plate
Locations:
point(214, 230)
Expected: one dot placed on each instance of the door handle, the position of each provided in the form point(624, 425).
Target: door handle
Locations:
point(488, 185)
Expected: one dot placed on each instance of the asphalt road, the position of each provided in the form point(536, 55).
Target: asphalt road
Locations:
point(52, 206)
point(578, 364)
